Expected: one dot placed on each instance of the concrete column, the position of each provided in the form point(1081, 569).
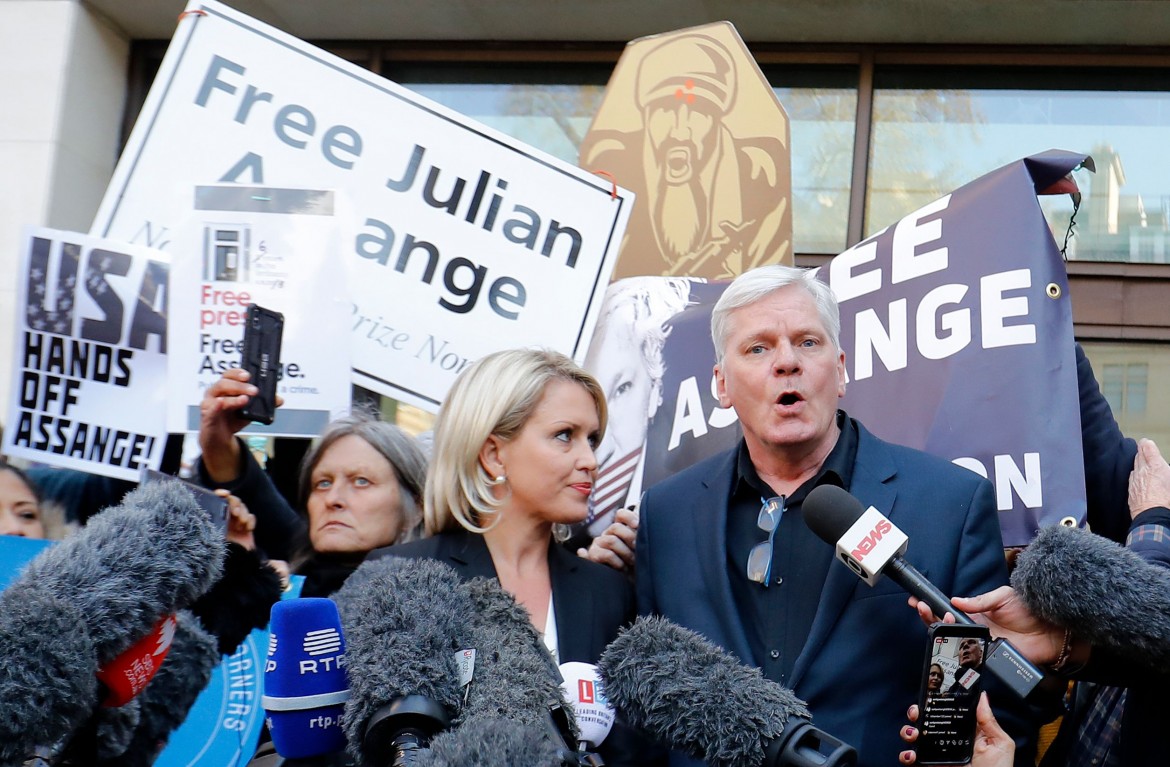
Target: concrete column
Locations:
point(62, 90)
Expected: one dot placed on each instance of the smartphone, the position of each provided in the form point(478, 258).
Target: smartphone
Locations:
point(261, 358)
point(952, 678)
point(213, 504)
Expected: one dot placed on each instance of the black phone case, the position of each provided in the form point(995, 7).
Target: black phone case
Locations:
point(261, 358)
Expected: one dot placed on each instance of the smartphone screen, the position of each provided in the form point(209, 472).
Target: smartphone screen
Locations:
point(952, 678)
point(213, 504)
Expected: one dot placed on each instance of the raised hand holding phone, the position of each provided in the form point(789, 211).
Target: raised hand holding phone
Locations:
point(260, 356)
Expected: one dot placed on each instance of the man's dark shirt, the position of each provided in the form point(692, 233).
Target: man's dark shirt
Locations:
point(778, 618)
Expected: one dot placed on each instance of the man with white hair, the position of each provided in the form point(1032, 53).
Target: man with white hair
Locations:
point(722, 547)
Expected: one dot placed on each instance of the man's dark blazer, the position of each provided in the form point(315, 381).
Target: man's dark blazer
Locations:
point(862, 662)
point(591, 603)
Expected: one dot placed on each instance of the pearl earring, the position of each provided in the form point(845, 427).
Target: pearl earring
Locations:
point(499, 480)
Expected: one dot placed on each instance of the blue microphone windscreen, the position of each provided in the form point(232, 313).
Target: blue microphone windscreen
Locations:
point(305, 686)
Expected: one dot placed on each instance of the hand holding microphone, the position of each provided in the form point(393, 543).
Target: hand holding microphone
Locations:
point(871, 546)
point(1002, 611)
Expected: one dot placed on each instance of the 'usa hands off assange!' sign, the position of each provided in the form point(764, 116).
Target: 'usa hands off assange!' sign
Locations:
point(458, 240)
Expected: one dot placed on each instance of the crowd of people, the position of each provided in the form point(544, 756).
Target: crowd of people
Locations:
point(720, 548)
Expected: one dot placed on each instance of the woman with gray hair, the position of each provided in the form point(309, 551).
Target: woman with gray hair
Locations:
point(360, 485)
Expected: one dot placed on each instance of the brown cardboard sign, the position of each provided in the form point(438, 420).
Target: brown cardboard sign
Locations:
point(692, 127)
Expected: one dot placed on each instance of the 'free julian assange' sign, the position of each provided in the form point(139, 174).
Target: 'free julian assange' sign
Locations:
point(457, 239)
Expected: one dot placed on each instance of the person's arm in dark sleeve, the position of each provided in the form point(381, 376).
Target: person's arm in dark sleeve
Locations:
point(1108, 456)
point(227, 464)
point(278, 527)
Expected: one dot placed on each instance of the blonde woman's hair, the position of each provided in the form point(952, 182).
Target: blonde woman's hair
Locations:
point(495, 396)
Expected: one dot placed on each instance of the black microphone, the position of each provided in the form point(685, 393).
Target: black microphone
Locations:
point(492, 743)
point(695, 697)
point(403, 622)
point(1100, 591)
point(514, 676)
point(871, 546)
point(81, 604)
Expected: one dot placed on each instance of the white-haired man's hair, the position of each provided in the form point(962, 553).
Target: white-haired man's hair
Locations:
point(753, 285)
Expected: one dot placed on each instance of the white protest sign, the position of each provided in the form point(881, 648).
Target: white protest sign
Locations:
point(459, 240)
point(89, 373)
point(277, 248)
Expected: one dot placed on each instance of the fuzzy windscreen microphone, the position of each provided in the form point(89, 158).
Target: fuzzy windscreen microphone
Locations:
point(492, 743)
point(48, 682)
point(87, 600)
point(133, 564)
point(165, 702)
point(1099, 590)
point(695, 697)
point(403, 622)
point(515, 676)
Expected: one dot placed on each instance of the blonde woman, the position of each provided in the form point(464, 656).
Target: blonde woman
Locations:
point(513, 464)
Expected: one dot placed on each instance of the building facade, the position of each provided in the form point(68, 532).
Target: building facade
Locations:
point(892, 104)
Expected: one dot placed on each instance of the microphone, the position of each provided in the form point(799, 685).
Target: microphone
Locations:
point(133, 564)
point(305, 684)
point(403, 621)
point(515, 677)
point(594, 715)
point(695, 697)
point(1119, 601)
point(129, 673)
point(88, 599)
point(165, 702)
point(871, 546)
point(492, 743)
point(48, 676)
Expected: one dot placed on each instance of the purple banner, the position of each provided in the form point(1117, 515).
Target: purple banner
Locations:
point(957, 331)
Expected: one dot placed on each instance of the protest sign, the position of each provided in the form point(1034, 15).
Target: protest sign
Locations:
point(957, 331)
point(458, 240)
point(89, 372)
point(638, 317)
point(224, 724)
point(690, 123)
point(277, 248)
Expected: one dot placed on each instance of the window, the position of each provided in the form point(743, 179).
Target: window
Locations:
point(549, 107)
point(1127, 373)
point(822, 112)
point(935, 129)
